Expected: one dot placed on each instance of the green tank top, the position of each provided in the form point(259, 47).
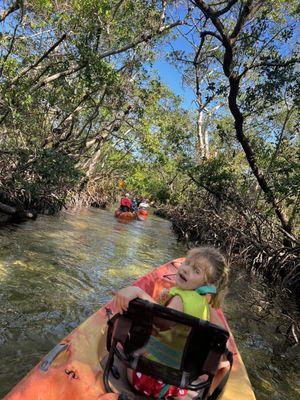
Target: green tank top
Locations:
point(167, 346)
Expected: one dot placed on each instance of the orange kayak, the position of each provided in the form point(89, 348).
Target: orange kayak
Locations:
point(125, 215)
point(142, 214)
point(73, 370)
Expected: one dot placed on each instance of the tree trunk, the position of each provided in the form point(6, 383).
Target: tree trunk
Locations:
point(201, 142)
point(228, 42)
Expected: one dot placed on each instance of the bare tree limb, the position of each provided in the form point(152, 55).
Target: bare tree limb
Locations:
point(11, 44)
point(40, 59)
point(58, 75)
point(203, 35)
point(270, 64)
point(227, 8)
point(141, 39)
point(247, 10)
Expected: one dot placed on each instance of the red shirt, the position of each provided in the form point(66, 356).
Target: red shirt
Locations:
point(125, 201)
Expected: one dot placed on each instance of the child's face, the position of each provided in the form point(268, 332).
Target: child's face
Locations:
point(189, 275)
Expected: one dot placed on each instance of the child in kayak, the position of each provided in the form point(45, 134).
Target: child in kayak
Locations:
point(201, 282)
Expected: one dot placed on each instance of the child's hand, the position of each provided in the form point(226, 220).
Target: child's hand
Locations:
point(124, 296)
point(164, 296)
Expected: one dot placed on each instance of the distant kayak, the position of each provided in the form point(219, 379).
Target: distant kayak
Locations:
point(125, 215)
point(73, 370)
point(141, 215)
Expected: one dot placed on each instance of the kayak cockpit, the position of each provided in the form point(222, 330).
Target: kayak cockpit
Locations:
point(74, 369)
point(131, 335)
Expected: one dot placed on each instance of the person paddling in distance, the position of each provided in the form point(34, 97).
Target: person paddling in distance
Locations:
point(126, 203)
point(200, 286)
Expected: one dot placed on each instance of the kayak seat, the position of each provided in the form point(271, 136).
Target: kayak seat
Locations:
point(130, 334)
point(120, 384)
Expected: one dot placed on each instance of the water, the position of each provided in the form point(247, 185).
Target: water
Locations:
point(56, 271)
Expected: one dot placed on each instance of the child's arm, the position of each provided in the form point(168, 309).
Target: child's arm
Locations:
point(176, 304)
point(125, 295)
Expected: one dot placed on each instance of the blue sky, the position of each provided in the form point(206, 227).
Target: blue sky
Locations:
point(169, 74)
point(172, 78)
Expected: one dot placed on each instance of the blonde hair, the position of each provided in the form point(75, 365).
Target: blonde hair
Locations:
point(215, 269)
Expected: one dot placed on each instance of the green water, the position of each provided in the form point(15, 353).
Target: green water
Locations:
point(56, 271)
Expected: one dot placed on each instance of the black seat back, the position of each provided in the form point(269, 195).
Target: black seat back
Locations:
point(203, 347)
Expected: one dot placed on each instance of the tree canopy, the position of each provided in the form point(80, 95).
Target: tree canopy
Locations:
point(81, 106)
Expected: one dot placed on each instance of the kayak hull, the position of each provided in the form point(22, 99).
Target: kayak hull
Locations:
point(76, 372)
point(142, 215)
point(125, 215)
